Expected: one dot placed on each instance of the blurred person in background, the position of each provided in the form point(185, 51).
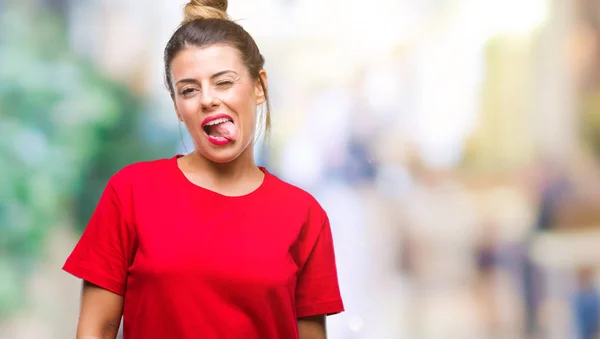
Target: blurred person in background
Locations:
point(553, 190)
point(586, 305)
point(208, 244)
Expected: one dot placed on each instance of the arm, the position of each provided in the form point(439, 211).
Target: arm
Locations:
point(312, 327)
point(101, 259)
point(317, 290)
point(100, 314)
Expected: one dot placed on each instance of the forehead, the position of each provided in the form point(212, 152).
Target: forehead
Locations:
point(195, 62)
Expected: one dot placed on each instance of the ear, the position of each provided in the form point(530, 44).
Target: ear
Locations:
point(261, 93)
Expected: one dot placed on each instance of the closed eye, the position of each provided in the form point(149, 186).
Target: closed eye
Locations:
point(224, 83)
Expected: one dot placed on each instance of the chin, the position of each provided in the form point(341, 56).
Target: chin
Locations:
point(221, 154)
point(221, 158)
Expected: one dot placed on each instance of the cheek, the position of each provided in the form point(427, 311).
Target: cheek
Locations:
point(250, 115)
point(188, 110)
point(244, 103)
point(186, 107)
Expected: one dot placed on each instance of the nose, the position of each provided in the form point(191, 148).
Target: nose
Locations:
point(208, 100)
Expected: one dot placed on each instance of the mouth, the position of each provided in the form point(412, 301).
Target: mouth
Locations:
point(220, 129)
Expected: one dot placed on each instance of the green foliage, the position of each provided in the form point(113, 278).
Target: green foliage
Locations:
point(64, 129)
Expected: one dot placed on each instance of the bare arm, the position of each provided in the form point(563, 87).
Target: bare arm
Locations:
point(312, 327)
point(100, 314)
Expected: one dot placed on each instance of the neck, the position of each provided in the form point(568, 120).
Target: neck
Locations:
point(240, 168)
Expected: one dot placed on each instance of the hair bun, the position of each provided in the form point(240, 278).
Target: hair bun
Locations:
point(205, 9)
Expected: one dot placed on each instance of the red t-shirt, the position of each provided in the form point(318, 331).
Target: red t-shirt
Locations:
point(192, 263)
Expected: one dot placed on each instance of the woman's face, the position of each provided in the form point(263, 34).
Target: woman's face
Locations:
point(216, 98)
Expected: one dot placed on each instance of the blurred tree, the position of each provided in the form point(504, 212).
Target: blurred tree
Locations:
point(64, 130)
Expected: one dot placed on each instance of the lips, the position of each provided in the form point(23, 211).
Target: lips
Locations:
point(219, 129)
point(212, 118)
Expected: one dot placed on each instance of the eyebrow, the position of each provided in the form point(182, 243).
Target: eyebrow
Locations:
point(218, 74)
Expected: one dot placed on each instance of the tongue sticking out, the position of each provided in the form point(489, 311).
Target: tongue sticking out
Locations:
point(223, 130)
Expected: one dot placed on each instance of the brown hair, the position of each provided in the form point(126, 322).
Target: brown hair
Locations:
point(206, 23)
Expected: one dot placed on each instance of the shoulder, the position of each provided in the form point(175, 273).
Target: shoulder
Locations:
point(139, 173)
point(291, 197)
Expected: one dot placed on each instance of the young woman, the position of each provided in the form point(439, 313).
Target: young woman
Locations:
point(207, 245)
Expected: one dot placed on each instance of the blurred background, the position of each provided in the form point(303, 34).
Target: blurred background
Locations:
point(454, 144)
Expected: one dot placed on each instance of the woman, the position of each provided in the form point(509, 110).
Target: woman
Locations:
point(207, 245)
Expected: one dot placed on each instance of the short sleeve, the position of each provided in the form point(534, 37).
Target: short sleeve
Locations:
point(317, 290)
point(105, 250)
